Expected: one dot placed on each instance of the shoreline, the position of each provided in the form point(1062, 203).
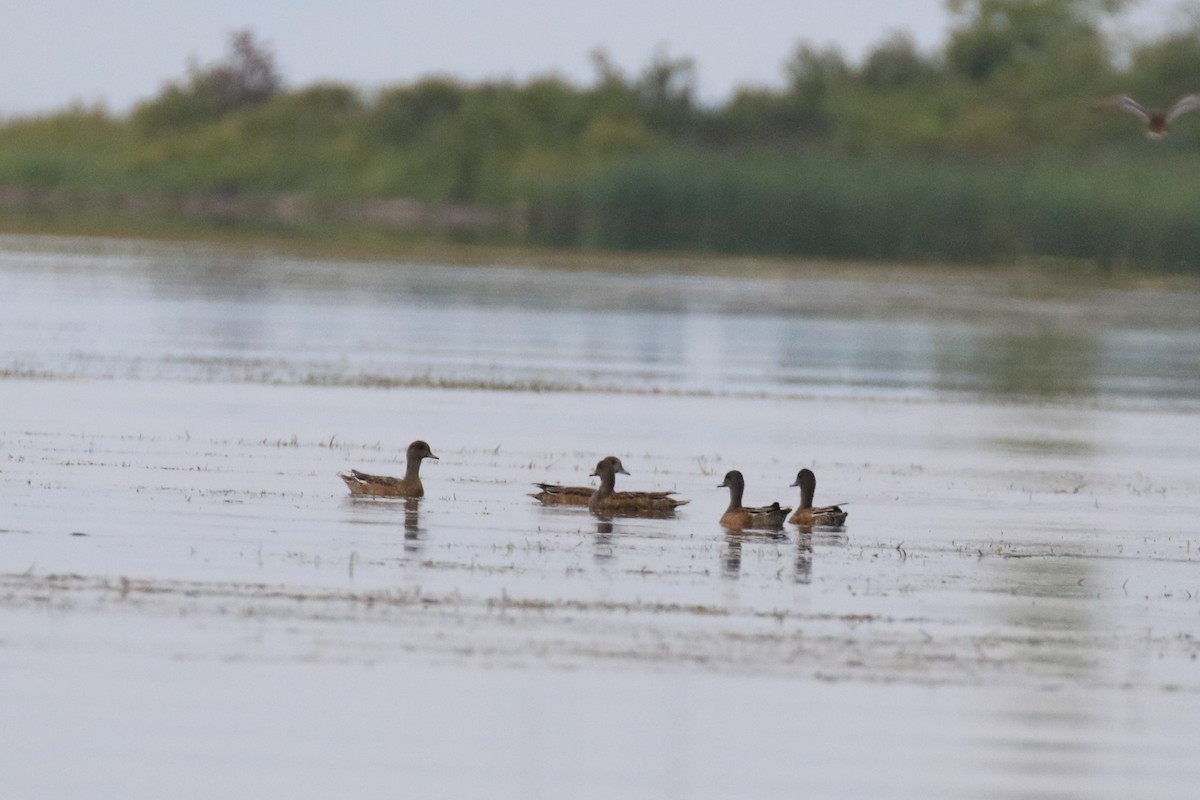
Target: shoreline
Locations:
point(375, 245)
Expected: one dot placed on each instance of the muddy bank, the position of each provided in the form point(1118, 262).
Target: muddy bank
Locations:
point(229, 208)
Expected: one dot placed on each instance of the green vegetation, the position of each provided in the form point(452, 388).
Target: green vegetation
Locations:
point(1116, 214)
point(982, 152)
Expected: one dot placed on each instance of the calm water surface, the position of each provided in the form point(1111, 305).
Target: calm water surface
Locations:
point(190, 603)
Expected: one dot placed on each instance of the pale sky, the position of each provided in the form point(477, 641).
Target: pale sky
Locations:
point(116, 52)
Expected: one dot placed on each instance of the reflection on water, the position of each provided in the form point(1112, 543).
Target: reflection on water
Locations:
point(633, 531)
point(983, 574)
point(1043, 446)
point(1053, 627)
point(383, 511)
point(804, 557)
point(603, 548)
point(826, 535)
point(731, 556)
point(1048, 362)
point(776, 543)
point(1049, 735)
point(273, 320)
point(412, 525)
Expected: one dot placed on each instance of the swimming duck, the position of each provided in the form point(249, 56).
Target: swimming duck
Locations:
point(738, 517)
point(360, 483)
point(605, 500)
point(806, 514)
point(1157, 120)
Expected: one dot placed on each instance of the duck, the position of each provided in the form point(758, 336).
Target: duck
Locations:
point(806, 513)
point(739, 517)
point(1158, 120)
point(607, 501)
point(360, 483)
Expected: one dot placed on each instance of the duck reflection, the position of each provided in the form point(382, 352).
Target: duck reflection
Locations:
point(824, 535)
point(603, 548)
point(412, 525)
point(373, 511)
point(731, 555)
point(804, 558)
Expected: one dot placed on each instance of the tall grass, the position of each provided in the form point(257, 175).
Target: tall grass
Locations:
point(80, 147)
point(890, 208)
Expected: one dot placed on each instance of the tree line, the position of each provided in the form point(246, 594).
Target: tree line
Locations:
point(984, 149)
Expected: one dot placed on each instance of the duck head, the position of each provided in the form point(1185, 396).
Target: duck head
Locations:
point(610, 465)
point(419, 450)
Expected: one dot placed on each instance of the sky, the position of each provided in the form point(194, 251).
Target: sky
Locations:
point(116, 52)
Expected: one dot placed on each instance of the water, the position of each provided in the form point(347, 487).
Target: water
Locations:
point(191, 603)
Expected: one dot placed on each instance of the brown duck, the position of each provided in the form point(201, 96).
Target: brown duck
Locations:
point(807, 514)
point(360, 483)
point(739, 517)
point(1158, 120)
point(607, 501)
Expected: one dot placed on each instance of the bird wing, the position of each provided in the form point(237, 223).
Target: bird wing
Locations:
point(379, 480)
point(835, 514)
point(647, 498)
point(1183, 105)
point(554, 488)
point(1123, 102)
point(774, 508)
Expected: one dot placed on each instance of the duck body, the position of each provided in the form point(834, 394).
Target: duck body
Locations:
point(606, 500)
point(762, 517)
point(636, 503)
point(806, 512)
point(832, 516)
point(362, 484)
point(739, 517)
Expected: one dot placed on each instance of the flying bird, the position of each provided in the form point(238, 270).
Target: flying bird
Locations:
point(1158, 120)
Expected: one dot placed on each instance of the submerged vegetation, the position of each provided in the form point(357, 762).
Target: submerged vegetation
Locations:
point(983, 151)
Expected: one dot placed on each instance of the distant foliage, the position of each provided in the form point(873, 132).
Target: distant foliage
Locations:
point(77, 147)
point(983, 149)
point(991, 35)
point(895, 63)
point(405, 113)
point(246, 77)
